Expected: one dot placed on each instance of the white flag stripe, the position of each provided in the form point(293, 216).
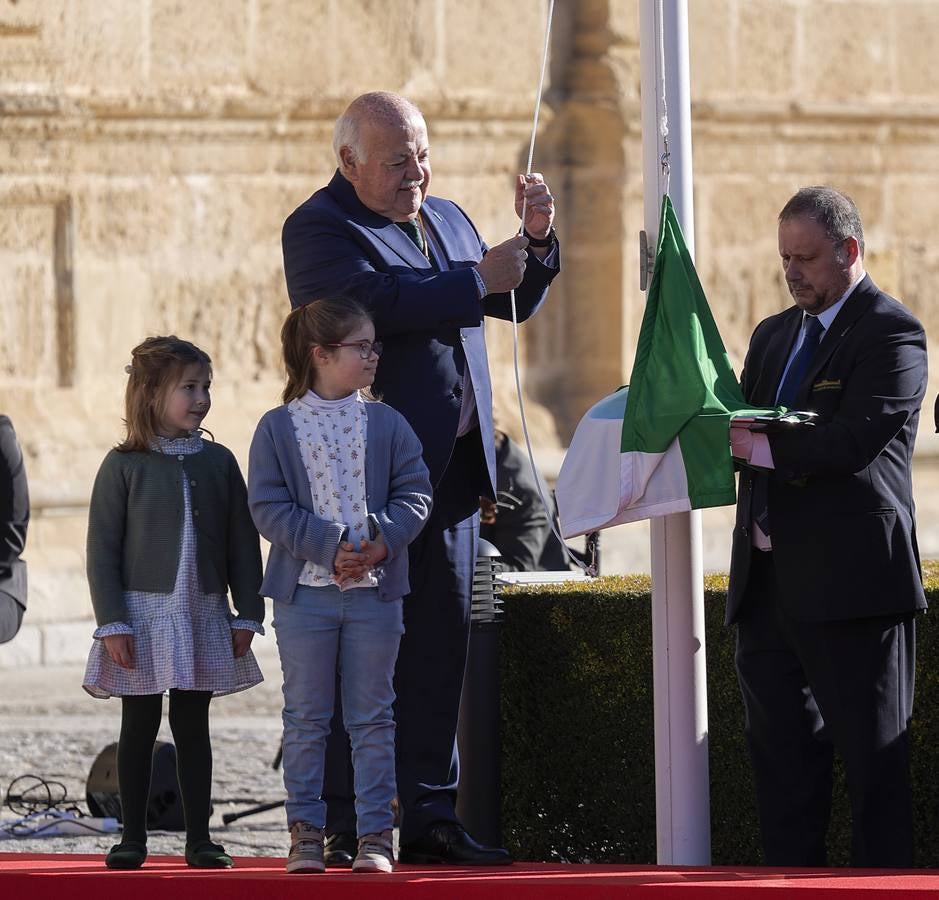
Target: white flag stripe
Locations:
point(598, 486)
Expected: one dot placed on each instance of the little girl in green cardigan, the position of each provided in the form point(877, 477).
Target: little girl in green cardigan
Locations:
point(169, 534)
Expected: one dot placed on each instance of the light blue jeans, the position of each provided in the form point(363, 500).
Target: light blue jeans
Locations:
point(321, 628)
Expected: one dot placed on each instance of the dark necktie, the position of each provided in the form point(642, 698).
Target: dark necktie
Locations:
point(413, 231)
point(788, 391)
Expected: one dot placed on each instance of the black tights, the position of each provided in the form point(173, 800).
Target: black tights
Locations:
point(189, 721)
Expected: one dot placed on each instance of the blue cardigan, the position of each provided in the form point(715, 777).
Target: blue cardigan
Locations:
point(397, 491)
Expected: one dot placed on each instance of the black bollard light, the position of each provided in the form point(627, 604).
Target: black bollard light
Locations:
point(479, 800)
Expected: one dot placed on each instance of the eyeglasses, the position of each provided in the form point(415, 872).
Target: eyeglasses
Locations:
point(365, 348)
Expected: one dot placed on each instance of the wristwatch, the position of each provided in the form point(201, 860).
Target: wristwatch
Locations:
point(548, 240)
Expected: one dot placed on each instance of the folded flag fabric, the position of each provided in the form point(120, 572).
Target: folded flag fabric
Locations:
point(666, 450)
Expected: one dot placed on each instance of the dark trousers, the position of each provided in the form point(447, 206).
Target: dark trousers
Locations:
point(431, 660)
point(814, 688)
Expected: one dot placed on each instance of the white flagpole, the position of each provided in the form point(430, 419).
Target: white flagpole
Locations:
point(683, 834)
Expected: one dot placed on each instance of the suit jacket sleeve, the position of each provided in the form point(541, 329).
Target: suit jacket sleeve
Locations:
point(326, 255)
point(530, 294)
point(883, 393)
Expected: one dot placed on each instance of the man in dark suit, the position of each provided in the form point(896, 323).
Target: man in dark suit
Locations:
point(14, 517)
point(419, 265)
point(825, 578)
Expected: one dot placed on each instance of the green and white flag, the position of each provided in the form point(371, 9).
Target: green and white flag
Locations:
point(667, 449)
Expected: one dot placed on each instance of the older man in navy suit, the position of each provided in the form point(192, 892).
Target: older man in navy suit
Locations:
point(421, 268)
point(825, 578)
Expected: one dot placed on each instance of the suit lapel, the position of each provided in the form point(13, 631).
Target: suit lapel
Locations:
point(395, 239)
point(383, 230)
point(443, 243)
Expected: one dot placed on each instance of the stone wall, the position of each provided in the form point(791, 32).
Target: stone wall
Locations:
point(792, 93)
point(784, 93)
point(150, 150)
point(149, 153)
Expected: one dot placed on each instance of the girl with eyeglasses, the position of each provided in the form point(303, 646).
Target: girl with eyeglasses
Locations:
point(337, 484)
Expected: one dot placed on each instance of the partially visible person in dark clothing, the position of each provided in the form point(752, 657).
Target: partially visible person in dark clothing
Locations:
point(14, 516)
point(516, 523)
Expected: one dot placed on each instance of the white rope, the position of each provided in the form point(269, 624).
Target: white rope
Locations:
point(534, 123)
point(663, 119)
point(549, 508)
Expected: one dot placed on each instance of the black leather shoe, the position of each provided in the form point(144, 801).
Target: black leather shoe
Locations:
point(448, 842)
point(340, 849)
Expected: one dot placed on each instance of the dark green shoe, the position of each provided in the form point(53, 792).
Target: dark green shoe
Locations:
point(126, 855)
point(208, 856)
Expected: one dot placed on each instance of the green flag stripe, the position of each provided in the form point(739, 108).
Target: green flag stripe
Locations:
point(682, 384)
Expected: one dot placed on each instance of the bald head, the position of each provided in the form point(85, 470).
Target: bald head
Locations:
point(379, 109)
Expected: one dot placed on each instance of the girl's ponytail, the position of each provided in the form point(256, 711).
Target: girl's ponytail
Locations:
point(320, 322)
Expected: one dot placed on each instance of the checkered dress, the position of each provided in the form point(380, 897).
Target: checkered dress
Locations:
point(182, 639)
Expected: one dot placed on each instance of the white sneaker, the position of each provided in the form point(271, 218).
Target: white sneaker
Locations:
point(375, 853)
point(306, 849)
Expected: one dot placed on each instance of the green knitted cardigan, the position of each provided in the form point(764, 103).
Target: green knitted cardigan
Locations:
point(135, 529)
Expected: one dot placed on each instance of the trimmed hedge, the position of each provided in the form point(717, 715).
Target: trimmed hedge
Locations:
point(578, 769)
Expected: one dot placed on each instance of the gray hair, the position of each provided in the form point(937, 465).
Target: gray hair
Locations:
point(834, 211)
point(378, 106)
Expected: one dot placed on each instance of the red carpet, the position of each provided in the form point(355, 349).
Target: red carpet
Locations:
point(38, 877)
